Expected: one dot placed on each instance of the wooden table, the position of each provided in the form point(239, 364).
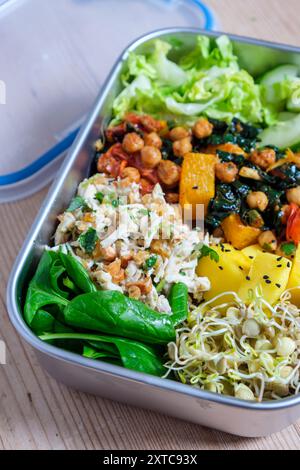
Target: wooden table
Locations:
point(36, 412)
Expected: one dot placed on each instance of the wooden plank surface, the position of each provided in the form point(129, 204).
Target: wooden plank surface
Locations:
point(36, 412)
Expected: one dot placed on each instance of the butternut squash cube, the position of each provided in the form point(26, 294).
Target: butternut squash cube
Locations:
point(239, 234)
point(197, 182)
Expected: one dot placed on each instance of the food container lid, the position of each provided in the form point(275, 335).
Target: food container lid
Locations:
point(55, 56)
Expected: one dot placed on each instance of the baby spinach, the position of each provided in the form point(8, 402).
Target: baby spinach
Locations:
point(88, 240)
point(111, 311)
point(178, 299)
point(77, 273)
point(133, 355)
point(41, 291)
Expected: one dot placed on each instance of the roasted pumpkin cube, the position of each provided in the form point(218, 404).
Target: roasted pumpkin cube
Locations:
point(197, 182)
point(239, 234)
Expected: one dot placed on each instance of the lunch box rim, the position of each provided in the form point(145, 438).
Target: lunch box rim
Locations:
point(15, 314)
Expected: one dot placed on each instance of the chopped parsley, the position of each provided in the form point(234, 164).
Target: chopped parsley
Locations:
point(77, 203)
point(99, 197)
point(288, 248)
point(207, 251)
point(88, 240)
point(150, 262)
point(115, 202)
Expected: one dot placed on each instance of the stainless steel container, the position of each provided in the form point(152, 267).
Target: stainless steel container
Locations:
point(183, 401)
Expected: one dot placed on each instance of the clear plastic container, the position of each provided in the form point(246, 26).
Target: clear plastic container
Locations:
point(55, 56)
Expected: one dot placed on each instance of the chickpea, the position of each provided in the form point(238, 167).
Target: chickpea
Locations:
point(257, 200)
point(117, 273)
point(151, 156)
point(267, 241)
point(131, 174)
point(226, 172)
point(202, 128)
point(182, 147)
point(263, 158)
point(132, 142)
point(293, 195)
point(178, 133)
point(134, 292)
point(153, 140)
point(106, 254)
point(168, 173)
point(172, 198)
point(285, 213)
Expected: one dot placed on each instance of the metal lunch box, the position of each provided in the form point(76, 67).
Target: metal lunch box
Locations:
point(114, 382)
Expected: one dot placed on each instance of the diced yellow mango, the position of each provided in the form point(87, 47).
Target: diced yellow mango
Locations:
point(225, 275)
point(239, 234)
point(294, 280)
point(271, 273)
point(197, 182)
point(252, 251)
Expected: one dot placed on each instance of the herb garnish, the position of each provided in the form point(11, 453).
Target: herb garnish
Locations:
point(88, 240)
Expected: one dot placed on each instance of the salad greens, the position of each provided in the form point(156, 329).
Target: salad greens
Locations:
point(64, 307)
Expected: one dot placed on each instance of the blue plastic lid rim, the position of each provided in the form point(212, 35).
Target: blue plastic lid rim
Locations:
point(63, 145)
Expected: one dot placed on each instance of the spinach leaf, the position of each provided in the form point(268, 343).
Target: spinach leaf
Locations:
point(40, 291)
point(46, 322)
point(111, 311)
point(77, 273)
point(56, 272)
point(287, 176)
point(88, 240)
point(134, 355)
point(178, 299)
point(77, 203)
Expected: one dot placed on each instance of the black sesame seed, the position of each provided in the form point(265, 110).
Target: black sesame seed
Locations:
point(251, 257)
point(241, 268)
point(288, 264)
point(279, 266)
point(248, 278)
point(268, 281)
point(221, 267)
point(195, 187)
point(278, 285)
point(266, 276)
point(227, 251)
point(280, 258)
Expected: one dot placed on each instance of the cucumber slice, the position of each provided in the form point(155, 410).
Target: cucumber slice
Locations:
point(279, 74)
point(284, 134)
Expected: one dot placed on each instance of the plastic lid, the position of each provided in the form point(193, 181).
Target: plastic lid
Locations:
point(55, 56)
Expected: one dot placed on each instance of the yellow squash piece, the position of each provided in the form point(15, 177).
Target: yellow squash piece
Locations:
point(197, 182)
point(294, 280)
point(225, 275)
point(271, 273)
point(239, 234)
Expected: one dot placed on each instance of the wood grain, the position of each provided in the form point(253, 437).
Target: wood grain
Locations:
point(36, 412)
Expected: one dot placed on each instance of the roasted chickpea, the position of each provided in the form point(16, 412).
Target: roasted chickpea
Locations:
point(150, 156)
point(131, 174)
point(132, 142)
point(178, 133)
point(285, 210)
point(293, 195)
point(172, 198)
point(117, 273)
point(153, 140)
point(263, 158)
point(257, 200)
point(226, 172)
point(202, 128)
point(267, 241)
point(134, 292)
point(168, 173)
point(183, 146)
